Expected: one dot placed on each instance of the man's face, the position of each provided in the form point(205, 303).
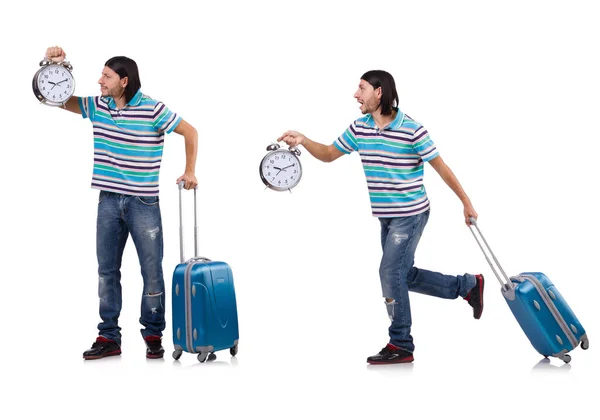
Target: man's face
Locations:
point(111, 84)
point(367, 97)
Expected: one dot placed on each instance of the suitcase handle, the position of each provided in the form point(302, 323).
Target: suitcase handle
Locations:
point(198, 259)
point(181, 253)
point(505, 284)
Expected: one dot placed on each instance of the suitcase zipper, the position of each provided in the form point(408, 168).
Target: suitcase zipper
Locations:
point(550, 305)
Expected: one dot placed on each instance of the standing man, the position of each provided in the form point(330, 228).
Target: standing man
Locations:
point(129, 130)
point(393, 149)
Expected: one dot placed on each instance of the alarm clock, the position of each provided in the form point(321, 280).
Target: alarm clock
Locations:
point(280, 169)
point(53, 83)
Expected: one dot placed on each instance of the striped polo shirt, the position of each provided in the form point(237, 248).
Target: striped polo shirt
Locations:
point(128, 142)
point(393, 160)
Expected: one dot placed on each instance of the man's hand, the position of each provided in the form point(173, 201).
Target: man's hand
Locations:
point(469, 212)
point(56, 54)
point(189, 179)
point(292, 138)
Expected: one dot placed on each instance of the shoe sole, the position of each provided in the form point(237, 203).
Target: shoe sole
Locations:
point(112, 353)
point(391, 362)
point(154, 356)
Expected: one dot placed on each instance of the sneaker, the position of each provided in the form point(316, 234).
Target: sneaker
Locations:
point(154, 349)
point(391, 354)
point(103, 347)
point(475, 297)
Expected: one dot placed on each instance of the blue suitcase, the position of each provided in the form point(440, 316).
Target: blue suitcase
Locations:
point(204, 305)
point(541, 311)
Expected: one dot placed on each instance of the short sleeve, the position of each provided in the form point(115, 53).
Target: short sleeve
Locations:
point(346, 143)
point(87, 105)
point(423, 145)
point(164, 119)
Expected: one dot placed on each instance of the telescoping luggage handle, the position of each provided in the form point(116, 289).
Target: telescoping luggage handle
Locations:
point(505, 284)
point(181, 253)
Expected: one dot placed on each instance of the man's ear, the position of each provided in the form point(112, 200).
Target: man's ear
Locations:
point(379, 92)
point(124, 81)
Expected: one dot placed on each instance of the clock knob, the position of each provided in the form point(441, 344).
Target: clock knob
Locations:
point(295, 150)
point(273, 146)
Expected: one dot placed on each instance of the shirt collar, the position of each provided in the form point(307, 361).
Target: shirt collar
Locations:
point(395, 124)
point(135, 101)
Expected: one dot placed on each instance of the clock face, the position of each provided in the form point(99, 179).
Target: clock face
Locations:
point(55, 83)
point(280, 170)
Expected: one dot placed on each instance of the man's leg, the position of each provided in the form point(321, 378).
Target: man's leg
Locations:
point(468, 286)
point(111, 236)
point(400, 237)
point(145, 224)
point(439, 285)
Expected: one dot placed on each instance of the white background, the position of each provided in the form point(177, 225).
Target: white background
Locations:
point(508, 91)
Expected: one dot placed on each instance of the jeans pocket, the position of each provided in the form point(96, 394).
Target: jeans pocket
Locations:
point(102, 196)
point(149, 201)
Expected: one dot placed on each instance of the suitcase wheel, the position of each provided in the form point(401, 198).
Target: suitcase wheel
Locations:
point(233, 351)
point(177, 354)
point(202, 356)
point(566, 358)
point(585, 344)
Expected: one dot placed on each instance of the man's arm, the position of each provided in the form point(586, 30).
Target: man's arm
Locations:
point(320, 151)
point(73, 105)
point(450, 179)
point(190, 135)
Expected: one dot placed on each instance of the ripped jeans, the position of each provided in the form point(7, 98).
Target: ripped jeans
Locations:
point(118, 216)
point(399, 239)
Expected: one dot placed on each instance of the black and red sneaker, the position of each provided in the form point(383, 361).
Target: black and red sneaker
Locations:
point(103, 347)
point(154, 349)
point(475, 297)
point(391, 354)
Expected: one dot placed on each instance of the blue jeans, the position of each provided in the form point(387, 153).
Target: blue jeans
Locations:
point(399, 239)
point(118, 216)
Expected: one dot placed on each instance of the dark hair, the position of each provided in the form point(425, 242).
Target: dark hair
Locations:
point(384, 80)
point(126, 67)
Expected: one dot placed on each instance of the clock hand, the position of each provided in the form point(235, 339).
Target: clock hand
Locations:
point(289, 166)
point(58, 83)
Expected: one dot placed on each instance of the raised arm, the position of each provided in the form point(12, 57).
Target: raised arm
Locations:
point(320, 151)
point(73, 105)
